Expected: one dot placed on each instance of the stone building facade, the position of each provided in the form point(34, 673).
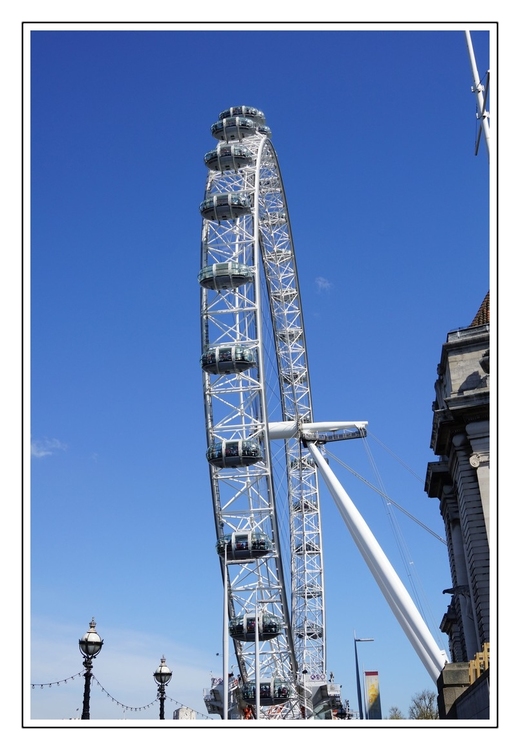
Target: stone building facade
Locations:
point(461, 482)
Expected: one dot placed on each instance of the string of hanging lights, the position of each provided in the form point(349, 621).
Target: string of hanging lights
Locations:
point(90, 646)
point(56, 683)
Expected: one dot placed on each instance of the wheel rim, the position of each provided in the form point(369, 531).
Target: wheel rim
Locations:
point(253, 340)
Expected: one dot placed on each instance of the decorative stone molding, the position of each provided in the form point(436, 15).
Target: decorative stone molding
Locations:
point(460, 440)
point(478, 459)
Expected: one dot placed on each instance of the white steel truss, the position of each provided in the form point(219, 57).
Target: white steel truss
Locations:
point(254, 372)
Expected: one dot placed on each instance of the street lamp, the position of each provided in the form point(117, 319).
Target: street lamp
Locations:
point(358, 682)
point(90, 646)
point(162, 677)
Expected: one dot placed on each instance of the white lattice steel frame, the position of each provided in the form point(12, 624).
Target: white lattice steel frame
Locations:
point(265, 316)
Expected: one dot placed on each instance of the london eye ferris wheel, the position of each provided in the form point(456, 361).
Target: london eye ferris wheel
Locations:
point(264, 448)
point(255, 374)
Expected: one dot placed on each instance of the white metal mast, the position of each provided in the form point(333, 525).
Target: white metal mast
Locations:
point(481, 94)
point(392, 588)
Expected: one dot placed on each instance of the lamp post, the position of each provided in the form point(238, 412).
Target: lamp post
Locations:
point(358, 682)
point(162, 677)
point(90, 646)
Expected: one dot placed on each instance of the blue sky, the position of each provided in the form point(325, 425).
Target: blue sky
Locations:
point(389, 207)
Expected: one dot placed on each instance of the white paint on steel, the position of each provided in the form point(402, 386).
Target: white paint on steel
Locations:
point(387, 579)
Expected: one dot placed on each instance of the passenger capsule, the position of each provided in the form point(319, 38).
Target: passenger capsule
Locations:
point(264, 130)
point(275, 218)
point(228, 157)
point(232, 453)
point(280, 255)
point(307, 506)
point(251, 112)
point(309, 592)
point(213, 701)
point(311, 631)
point(296, 376)
point(243, 627)
point(272, 692)
point(290, 335)
point(269, 187)
point(283, 295)
point(225, 359)
point(225, 206)
point(228, 275)
point(244, 545)
point(309, 547)
point(233, 128)
point(237, 128)
point(303, 463)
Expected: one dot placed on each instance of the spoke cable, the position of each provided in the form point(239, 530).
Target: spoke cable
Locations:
point(386, 497)
point(420, 595)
